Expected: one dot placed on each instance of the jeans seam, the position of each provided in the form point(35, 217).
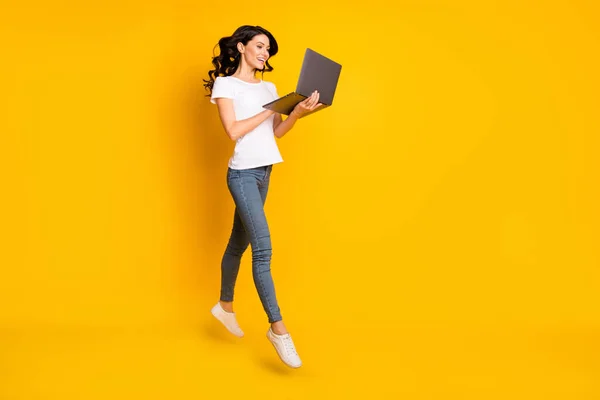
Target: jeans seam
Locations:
point(251, 221)
point(247, 206)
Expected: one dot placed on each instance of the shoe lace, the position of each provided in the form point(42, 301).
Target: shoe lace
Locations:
point(289, 345)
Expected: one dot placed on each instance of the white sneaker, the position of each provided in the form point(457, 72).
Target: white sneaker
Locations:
point(285, 348)
point(227, 319)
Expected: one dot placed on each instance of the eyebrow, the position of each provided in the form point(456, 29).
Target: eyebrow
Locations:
point(263, 44)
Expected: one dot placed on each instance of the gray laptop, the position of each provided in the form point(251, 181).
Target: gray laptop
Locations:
point(318, 73)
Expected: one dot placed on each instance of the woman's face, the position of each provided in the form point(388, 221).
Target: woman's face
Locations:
point(256, 52)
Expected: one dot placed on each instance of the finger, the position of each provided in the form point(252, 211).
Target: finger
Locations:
point(314, 103)
point(313, 99)
point(316, 99)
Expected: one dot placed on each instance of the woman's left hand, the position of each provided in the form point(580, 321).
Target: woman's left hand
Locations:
point(307, 105)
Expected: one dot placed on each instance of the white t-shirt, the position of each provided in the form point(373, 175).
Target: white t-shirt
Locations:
point(258, 147)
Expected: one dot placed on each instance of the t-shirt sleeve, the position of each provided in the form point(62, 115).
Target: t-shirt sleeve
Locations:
point(273, 89)
point(222, 88)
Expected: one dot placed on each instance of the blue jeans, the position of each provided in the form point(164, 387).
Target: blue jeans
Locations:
point(249, 189)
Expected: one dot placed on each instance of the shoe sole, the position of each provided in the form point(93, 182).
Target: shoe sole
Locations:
point(279, 355)
point(212, 311)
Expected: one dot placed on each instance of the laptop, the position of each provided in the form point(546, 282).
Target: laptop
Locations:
point(318, 73)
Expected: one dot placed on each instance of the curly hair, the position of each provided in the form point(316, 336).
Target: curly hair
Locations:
point(228, 60)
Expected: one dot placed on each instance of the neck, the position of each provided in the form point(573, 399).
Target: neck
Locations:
point(245, 72)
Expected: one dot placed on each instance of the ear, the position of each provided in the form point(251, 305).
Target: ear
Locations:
point(240, 47)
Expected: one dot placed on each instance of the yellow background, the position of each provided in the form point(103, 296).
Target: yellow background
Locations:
point(435, 232)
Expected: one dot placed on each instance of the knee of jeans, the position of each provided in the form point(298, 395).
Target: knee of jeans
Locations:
point(236, 249)
point(263, 242)
point(263, 256)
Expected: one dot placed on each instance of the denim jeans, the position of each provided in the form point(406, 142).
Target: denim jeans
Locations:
point(249, 189)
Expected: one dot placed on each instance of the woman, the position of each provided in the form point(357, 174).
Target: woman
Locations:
point(239, 96)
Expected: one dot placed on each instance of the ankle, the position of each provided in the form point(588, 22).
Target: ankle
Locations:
point(227, 306)
point(279, 328)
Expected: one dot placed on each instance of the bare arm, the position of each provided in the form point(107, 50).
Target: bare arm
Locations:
point(281, 127)
point(237, 129)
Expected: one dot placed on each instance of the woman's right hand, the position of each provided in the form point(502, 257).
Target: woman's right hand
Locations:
point(307, 105)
